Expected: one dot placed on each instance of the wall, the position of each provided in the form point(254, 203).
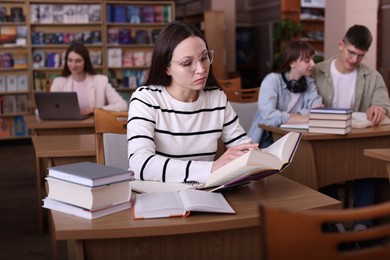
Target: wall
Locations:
point(384, 41)
point(229, 9)
point(341, 14)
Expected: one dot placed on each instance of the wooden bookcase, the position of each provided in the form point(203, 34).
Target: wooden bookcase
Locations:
point(14, 51)
point(312, 18)
point(49, 33)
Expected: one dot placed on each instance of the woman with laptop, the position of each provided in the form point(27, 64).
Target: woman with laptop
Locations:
point(93, 90)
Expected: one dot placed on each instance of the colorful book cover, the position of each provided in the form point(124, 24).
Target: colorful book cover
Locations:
point(158, 14)
point(5, 127)
point(94, 13)
point(147, 14)
point(12, 83)
point(115, 57)
point(17, 14)
point(127, 58)
point(133, 14)
point(20, 128)
point(113, 36)
point(142, 37)
point(124, 36)
point(120, 14)
point(22, 82)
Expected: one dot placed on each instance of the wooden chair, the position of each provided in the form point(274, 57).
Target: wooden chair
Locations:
point(287, 234)
point(111, 138)
point(233, 83)
point(242, 95)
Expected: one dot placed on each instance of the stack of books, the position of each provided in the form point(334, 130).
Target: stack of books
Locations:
point(88, 190)
point(330, 120)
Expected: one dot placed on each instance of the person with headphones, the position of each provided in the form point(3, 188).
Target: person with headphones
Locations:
point(286, 95)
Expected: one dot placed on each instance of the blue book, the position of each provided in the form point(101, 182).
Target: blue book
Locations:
point(133, 14)
point(332, 110)
point(120, 14)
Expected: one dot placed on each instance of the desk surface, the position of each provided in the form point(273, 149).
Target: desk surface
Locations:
point(33, 122)
point(323, 159)
point(355, 133)
point(382, 154)
point(64, 145)
point(275, 190)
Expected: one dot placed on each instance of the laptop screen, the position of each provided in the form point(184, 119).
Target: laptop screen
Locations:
point(58, 106)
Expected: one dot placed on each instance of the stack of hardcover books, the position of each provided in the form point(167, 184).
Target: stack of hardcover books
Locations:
point(330, 120)
point(88, 190)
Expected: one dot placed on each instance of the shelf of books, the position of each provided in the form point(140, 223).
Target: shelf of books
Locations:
point(14, 88)
point(131, 30)
point(34, 35)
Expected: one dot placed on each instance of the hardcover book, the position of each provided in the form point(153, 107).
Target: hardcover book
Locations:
point(133, 14)
point(147, 14)
point(94, 13)
point(120, 14)
point(22, 82)
point(91, 198)
point(331, 110)
point(252, 166)
point(90, 174)
point(81, 212)
point(115, 57)
point(176, 204)
point(330, 130)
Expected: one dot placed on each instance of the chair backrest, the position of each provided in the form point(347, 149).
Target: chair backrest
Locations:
point(233, 83)
point(111, 138)
point(287, 234)
point(242, 95)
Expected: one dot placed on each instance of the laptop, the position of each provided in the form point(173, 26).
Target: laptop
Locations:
point(58, 106)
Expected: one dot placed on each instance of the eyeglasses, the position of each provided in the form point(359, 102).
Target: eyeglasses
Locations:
point(351, 53)
point(189, 64)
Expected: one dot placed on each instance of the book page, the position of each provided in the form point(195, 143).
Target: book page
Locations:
point(359, 120)
point(284, 147)
point(197, 200)
point(158, 205)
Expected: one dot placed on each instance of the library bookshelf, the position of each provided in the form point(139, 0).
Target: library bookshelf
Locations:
point(118, 34)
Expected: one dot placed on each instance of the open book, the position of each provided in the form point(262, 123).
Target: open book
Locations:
point(256, 164)
point(253, 165)
point(176, 204)
point(359, 120)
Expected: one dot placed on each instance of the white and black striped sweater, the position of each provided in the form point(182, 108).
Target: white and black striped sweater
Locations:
point(174, 141)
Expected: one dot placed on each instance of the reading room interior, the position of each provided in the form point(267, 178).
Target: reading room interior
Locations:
point(195, 129)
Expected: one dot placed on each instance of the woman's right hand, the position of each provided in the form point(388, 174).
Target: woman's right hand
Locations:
point(231, 154)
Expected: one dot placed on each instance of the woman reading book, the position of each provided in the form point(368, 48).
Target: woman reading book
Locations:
point(177, 117)
point(93, 90)
point(286, 95)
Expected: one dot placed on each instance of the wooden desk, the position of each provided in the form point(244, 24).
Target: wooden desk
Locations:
point(381, 154)
point(323, 159)
point(54, 150)
point(199, 236)
point(59, 127)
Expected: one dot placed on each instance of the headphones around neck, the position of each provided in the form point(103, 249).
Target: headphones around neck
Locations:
point(295, 86)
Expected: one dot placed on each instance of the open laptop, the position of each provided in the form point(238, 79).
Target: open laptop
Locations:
point(58, 106)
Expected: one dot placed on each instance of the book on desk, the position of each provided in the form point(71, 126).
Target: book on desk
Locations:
point(88, 190)
point(179, 203)
point(251, 166)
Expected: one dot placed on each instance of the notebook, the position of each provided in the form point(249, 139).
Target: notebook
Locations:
point(58, 106)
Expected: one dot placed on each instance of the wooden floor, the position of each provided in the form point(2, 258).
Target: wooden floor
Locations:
point(19, 235)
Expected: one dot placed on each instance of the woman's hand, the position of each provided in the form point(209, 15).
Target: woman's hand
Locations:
point(233, 153)
point(86, 111)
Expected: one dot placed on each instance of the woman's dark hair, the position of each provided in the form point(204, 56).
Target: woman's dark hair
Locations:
point(359, 36)
point(81, 50)
point(170, 36)
point(293, 51)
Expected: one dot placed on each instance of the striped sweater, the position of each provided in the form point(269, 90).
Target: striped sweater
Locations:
point(174, 141)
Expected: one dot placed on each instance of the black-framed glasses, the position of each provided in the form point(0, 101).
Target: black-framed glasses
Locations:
point(189, 64)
